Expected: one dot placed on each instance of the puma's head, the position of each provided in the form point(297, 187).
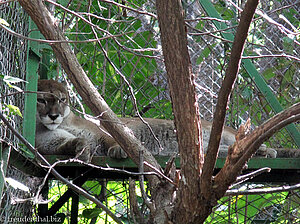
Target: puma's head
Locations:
point(52, 103)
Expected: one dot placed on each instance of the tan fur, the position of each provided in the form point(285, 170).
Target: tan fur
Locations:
point(74, 133)
point(76, 136)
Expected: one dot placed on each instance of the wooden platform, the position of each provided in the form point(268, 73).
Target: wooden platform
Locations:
point(283, 169)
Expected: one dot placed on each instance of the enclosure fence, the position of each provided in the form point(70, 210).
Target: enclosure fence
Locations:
point(134, 56)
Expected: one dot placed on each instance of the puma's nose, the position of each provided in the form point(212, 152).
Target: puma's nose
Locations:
point(53, 116)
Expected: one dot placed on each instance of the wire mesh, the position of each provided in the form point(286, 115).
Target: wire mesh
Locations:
point(134, 55)
point(276, 207)
point(279, 207)
point(13, 55)
point(113, 194)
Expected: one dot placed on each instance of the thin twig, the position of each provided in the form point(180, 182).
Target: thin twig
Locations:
point(142, 187)
point(60, 41)
point(263, 191)
point(272, 56)
point(160, 173)
point(249, 176)
point(8, 1)
point(103, 30)
point(139, 11)
point(74, 160)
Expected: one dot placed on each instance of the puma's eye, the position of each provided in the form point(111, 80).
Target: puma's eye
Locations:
point(63, 100)
point(40, 100)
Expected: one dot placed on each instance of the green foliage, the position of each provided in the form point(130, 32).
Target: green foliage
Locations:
point(263, 208)
point(10, 109)
point(113, 194)
point(137, 67)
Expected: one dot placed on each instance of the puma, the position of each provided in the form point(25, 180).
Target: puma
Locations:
point(59, 131)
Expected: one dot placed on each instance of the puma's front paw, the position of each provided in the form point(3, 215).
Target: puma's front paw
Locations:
point(263, 151)
point(82, 149)
point(116, 152)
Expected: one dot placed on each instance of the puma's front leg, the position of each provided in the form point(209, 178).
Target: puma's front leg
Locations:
point(61, 142)
point(114, 150)
point(77, 147)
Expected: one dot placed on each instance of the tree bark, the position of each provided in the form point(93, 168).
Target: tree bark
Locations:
point(185, 107)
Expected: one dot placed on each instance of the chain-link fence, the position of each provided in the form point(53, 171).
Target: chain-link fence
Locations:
point(278, 206)
point(132, 58)
point(13, 55)
point(263, 207)
point(135, 54)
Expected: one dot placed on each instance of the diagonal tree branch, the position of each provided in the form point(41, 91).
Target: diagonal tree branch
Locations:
point(223, 96)
point(244, 148)
point(123, 135)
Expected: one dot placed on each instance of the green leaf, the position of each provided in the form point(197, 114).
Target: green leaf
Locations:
point(3, 22)
point(91, 213)
point(268, 73)
point(247, 93)
point(14, 110)
point(204, 54)
point(10, 79)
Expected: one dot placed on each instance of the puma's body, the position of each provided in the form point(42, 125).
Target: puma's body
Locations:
point(60, 131)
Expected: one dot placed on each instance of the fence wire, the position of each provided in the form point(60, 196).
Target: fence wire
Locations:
point(135, 54)
point(279, 207)
point(13, 55)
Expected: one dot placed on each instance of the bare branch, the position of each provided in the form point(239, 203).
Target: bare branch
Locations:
point(263, 191)
point(243, 149)
point(4, 2)
point(58, 41)
point(224, 93)
point(134, 208)
point(139, 11)
point(284, 7)
point(142, 187)
point(249, 176)
point(272, 56)
point(163, 176)
point(122, 171)
point(282, 28)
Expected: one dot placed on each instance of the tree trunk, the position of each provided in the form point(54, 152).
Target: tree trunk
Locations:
point(185, 107)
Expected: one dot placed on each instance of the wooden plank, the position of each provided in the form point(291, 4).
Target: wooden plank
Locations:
point(254, 163)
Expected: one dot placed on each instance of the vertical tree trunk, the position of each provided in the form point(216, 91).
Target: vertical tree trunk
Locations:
point(185, 107)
